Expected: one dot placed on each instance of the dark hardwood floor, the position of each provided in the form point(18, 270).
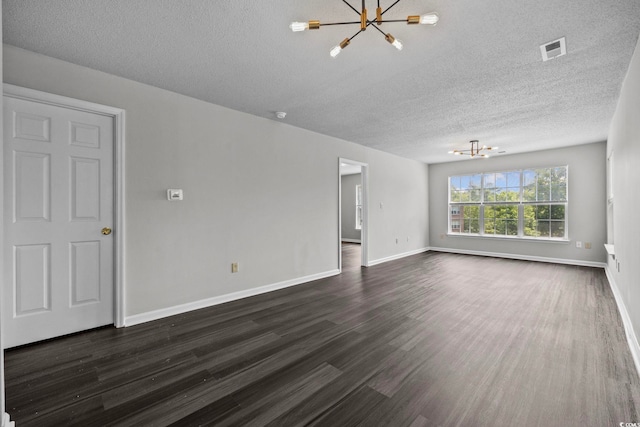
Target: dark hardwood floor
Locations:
point(429, 340)
point(351, 256)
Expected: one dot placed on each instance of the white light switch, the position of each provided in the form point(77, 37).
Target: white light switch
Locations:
point(174, 194)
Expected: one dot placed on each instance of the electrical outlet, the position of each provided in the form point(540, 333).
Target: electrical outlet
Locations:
point(234, 267)
point(578, 244)
point(587, 245)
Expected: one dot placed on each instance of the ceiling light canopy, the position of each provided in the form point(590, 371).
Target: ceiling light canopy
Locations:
point(364, 22)
point(475, 150)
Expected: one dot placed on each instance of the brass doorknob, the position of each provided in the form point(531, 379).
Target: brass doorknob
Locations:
point(106, 231)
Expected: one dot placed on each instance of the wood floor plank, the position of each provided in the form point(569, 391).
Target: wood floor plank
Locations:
point(275, 403)
point(429, 340)
point(210, 415)
point(351, 411)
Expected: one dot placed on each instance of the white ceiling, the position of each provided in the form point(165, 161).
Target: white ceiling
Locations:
point(478, 74)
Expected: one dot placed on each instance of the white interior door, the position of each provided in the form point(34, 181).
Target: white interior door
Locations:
point(58, 174)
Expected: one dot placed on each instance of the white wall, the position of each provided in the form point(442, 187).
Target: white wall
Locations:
point(624, 142)
point(349, 183)
point(587, 204)
point(258, 192)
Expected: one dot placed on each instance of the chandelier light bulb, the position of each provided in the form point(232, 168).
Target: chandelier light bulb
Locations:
point(394, 42)
point(337, 49)
point(299, 26)
point(429, 19)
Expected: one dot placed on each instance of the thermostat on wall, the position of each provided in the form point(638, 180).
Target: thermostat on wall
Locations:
point(174, 194)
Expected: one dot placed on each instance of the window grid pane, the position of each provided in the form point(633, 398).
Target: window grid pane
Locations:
point(545, 221)
point(465, 219)
point(501, 220)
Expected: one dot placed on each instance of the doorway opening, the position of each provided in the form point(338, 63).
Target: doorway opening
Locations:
point(352, 215)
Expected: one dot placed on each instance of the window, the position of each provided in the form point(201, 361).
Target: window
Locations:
point(359, 207)
point(528, 203)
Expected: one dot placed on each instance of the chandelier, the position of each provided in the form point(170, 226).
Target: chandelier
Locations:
point(475, 150)
point(364, 22)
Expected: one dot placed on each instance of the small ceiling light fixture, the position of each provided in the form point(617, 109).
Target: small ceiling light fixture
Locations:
point(475, 151)
point(364, 22)
point(281, 114)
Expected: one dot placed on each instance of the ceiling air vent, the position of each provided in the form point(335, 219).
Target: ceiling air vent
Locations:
point(553, 49)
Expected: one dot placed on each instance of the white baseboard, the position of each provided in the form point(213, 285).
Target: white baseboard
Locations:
point(6, 421)
point(136, 319)
point(398, 256)
point(632, 340)
point(351, 240)
point(523, 257)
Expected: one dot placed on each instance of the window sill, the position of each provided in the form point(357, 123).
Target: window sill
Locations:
point(610, 250)
point(511, 238)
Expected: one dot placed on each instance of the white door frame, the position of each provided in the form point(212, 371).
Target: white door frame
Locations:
point(118, 116)
point(364, 232)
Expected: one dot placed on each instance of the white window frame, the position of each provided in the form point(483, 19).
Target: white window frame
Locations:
point(359, 207)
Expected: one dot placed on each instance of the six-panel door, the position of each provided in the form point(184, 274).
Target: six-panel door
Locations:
point(58, 172)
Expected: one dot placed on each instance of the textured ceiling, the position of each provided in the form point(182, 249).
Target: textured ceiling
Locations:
point(478, 74)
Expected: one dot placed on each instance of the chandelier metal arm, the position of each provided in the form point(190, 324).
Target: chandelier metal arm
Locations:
point(354, 36)
point(387, 9)
point(382, 13)
point(376, 27)
point(369, 22)
point(353, 8)
point(363, 8)
point(339, 23)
